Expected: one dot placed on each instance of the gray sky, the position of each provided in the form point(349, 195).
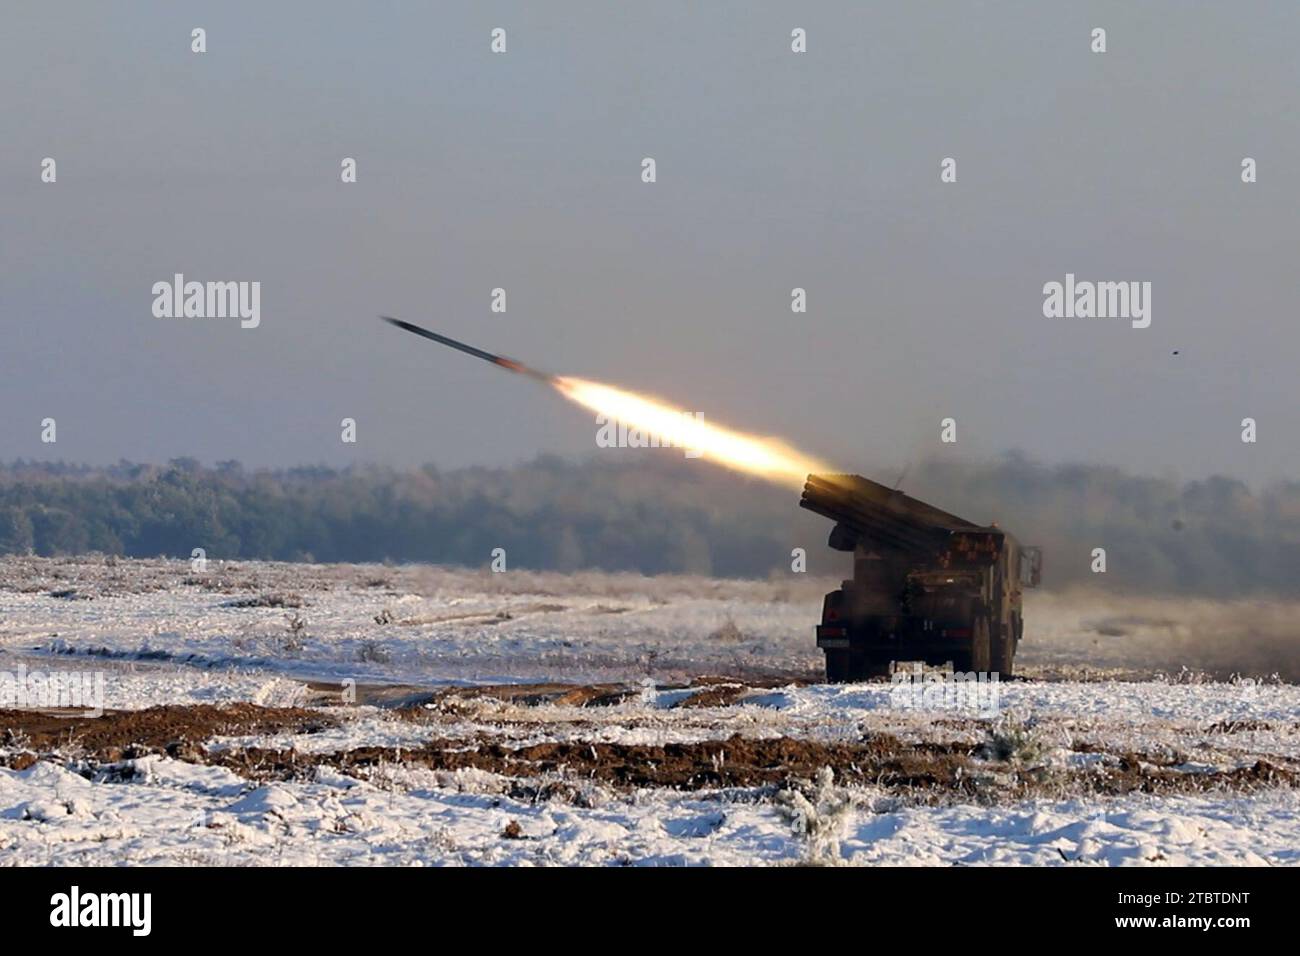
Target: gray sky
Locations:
point(775, 170)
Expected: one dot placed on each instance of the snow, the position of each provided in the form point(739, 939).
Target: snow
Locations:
point(1092, 699)
point(170, 818)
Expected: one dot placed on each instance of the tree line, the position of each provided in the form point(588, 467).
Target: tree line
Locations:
point(650, 514)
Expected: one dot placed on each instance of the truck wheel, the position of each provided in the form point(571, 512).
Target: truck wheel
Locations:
point(982, 647)
point(844, 667)
point(980, 656)
point(1004, 651)
point(863, 666)
point(837, 667)
point(873, 667)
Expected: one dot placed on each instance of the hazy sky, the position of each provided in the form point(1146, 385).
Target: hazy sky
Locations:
point(775, 170)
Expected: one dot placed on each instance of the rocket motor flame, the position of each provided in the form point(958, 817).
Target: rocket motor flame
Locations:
point(768, 458)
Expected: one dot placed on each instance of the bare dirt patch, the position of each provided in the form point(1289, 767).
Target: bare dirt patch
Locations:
point(287, 600)
point(536, 695)
point(173, 729)
point(926, 773)
point(1241, 725)
point(715, 695)
point(918, 771)
point(734, 762)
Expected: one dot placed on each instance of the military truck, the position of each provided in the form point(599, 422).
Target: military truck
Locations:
point(927, 585)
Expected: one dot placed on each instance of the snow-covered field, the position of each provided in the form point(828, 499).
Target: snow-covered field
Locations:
point(432, 716)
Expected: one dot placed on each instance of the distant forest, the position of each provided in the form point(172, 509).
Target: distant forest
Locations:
point(652, 514)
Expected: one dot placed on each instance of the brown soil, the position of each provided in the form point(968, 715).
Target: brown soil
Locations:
point(715, 695)
point(927, 772)
point(173, 729)
point(1242, 725)
point(924, 771)
point(734, 762)
point(536, 695)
